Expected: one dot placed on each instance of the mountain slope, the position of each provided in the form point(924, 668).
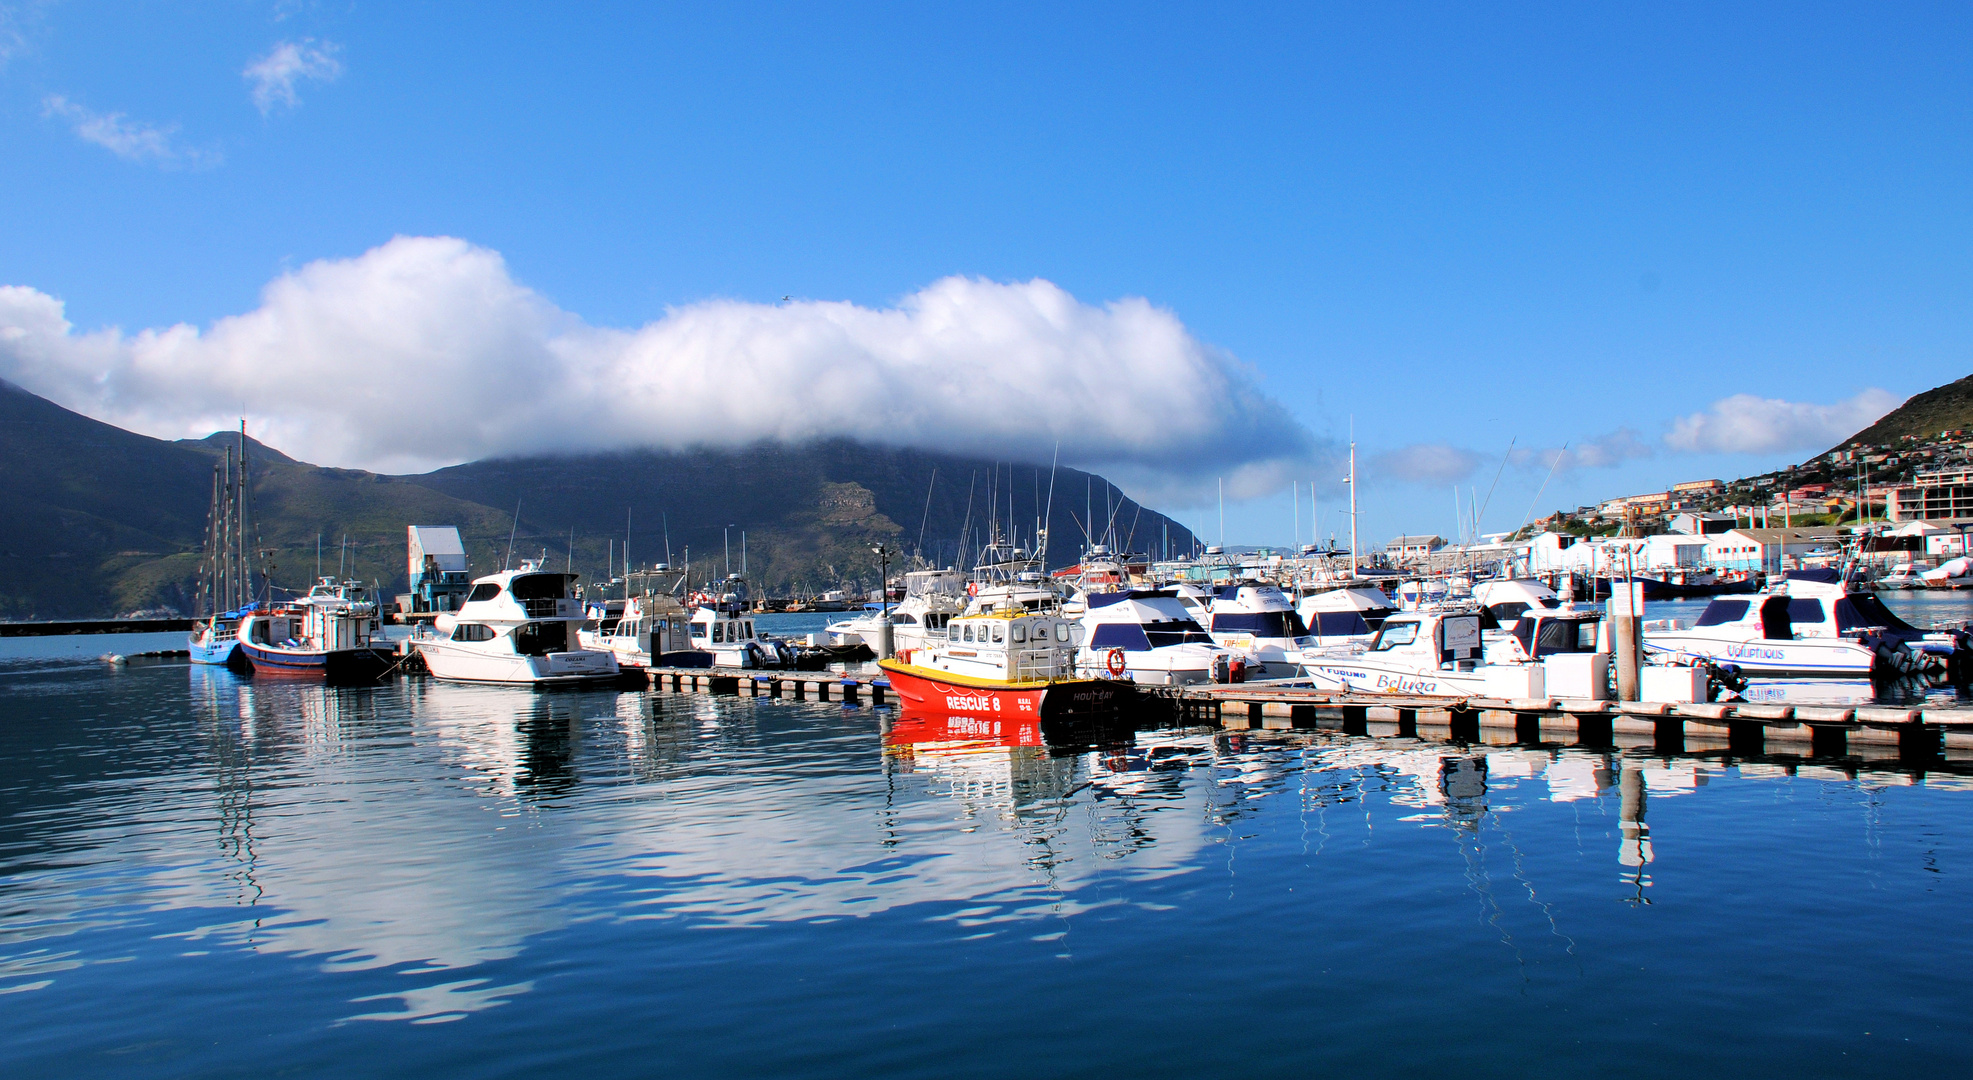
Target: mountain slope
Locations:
point(100, 520)
point(1942, 408)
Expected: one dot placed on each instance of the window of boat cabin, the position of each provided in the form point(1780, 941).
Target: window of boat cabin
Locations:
point(966, 632)
point(485, 590)
point(538, 587)
point(541, 638)
point(1019, 634)
point(1336, 623)
point(747, 630)
point(698, 630)
point(468, 631)
point(1062, 631)
point(999, 632)
point(1394, 634)
point(1720, 612)
point(719, 633)
point(1806, 610)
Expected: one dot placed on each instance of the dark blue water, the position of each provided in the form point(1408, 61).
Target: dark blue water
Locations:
point(206, 876)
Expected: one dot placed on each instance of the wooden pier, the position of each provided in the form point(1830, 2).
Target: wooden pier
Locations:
point(1744, 729)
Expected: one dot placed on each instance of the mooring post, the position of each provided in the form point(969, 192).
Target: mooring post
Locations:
point(1635, 848)
point(1627, 638)
point(1829, 740)
point(1668, 735)
point(1465, 725)
point(1918, 744)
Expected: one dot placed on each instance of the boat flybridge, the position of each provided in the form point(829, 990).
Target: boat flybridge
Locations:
point(1259, 620)
point(1811, 625)
point(519, 627)
point(1008, 663)
point(1344, 616)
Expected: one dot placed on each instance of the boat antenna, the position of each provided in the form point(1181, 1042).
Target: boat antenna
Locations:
point(927, 516)
point(1544, 487)
point(966, 526)
point(569, 565)
point(509, 564)
point(340, 553)
point(1482, 512)
point(665, 518)
point(318, 553)
point(1049, 513)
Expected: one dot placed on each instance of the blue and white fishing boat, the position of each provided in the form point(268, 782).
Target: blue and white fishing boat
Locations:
point(326, 634)
point(226, 588)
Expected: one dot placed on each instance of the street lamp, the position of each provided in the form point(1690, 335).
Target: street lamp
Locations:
point(885, 641)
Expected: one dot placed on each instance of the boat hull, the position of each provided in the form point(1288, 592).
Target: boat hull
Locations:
point(340, 665)
point(223, 653)
point(445, 660)
point(1801, 658)
point(931, 690)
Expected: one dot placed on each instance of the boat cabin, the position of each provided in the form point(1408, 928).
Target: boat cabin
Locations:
point(1008, 644)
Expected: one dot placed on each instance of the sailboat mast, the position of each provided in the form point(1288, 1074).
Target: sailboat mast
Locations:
point(1353, 550)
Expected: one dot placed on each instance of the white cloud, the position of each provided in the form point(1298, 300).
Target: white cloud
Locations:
point(1747, 424)
point(274, 76)
point(1437, 463)
point(128, 139)
point(424, 352)
point(1602, 452)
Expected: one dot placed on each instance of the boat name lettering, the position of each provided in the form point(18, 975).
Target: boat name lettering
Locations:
point(1405, 685)
point(973, 702)
point(1754, 652)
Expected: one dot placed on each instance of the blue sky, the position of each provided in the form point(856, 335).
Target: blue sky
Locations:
point(1459, 226)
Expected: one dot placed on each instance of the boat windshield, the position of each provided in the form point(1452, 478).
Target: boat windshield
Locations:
point(1394, 634)
point(1720, 612)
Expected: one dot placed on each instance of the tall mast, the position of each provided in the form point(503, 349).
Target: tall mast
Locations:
point(1353, 551)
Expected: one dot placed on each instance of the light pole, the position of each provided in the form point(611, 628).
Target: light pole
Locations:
point(885, 640)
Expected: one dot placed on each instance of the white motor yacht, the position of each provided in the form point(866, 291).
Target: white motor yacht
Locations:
point(518, 627)
point(1809, 626)
point(1147, 637)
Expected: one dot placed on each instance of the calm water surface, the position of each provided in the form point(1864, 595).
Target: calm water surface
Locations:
point(213, 876)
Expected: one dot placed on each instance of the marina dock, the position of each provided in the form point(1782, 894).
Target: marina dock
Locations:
point(1913, 734)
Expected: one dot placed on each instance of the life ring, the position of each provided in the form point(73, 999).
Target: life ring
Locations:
point(1115, 663)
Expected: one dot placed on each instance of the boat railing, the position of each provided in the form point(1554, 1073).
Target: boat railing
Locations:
point(1036, 665)
point(551, 608)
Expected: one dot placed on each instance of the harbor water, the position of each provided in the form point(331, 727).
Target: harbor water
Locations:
point(210, 875)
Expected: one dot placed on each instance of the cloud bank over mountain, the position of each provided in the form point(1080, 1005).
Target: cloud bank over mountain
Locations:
point(425, 351)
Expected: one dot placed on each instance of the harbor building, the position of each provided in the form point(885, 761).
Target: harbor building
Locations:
point(1941, 495)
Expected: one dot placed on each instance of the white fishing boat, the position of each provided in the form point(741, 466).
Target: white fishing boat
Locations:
point(722, 625)
point(517, 627)
point(1810, 625)
point(643, 632)
point(1148, 637)
point(1441, 652)
point(931, 599)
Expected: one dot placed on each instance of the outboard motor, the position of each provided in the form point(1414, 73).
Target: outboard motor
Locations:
point(1222, 669)
point(784, 653)
point(1723, 677)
